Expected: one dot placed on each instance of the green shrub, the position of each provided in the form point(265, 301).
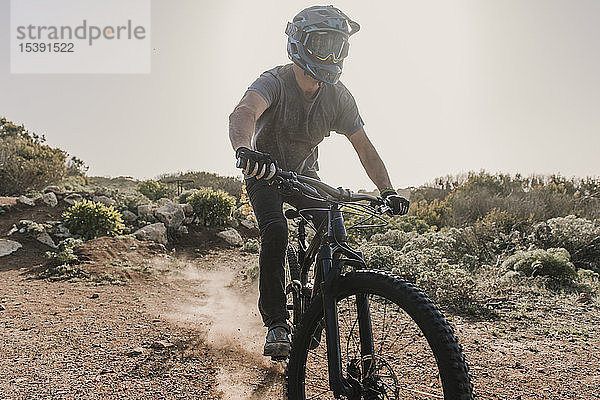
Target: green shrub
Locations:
point(65, 253)
point(212, 207)
point(25, 161)
point(553, 262)
point(379, 257)
point(406, 223)
point(394, 238)
point(185, 195)
point(251, 246)
point(449, 286)
point(90, 219)
point(200, 179)
point(153, 190)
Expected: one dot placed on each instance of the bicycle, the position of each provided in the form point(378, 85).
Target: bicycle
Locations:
point(383, 338)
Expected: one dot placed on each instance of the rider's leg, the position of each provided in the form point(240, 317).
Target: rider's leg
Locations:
point(267, 204)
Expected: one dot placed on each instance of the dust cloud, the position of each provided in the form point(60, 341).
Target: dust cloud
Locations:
point(233, 331)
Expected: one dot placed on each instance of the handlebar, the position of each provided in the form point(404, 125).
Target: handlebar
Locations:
point(317, 188)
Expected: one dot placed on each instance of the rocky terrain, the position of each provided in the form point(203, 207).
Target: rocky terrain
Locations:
point(169, 313)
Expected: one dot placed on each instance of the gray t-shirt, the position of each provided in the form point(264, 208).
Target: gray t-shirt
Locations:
point(292, 126)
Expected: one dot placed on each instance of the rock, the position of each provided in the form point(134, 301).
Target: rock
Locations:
point(247, 224)
point(232, 237)
point(45, 238)
point(50, 199)
point(234, 223)
point(53, 189)
point(12, 230)
point(27, 226)
point(146, 212)
point(107, 201)
point(162, 344)
point(153, 232)
point(163, 202)
point(188, 210)
point(73, 198)
point(182, 230)
point(188, 220)
point(2, 307)
point(171, 215)
point(128, 216)
point(94, 296)
point(136, 351)
point(26, 200)
point(8, 247)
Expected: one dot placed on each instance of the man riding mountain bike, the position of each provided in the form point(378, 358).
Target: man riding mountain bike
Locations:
point(279, 122)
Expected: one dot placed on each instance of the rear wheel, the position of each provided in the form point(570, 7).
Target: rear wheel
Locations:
point(415, 354)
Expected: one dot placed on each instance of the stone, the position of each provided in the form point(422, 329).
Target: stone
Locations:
point(188, 210)
point(107, 201)
point(12, 230)
point(162, 344)
point(163, 202)
point(45, 238)
point(182, 230)
point(188, 220)
point(171, 215)
point(26, 200)
point(128, 216)
point(8, 247)
point(153, 233)
point(136, 351)
point(94, 296)
point(2, 307)
point(53, 189)
point(231, 237)
point(50, 199)
point(146, 212)
point(73, 198)
point(247, 224)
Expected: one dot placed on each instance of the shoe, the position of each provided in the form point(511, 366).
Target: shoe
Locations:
point(277, 343)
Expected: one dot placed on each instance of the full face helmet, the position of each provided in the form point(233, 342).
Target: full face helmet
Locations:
point(318, 41)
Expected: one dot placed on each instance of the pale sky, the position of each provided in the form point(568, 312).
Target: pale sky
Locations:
point(443, 86)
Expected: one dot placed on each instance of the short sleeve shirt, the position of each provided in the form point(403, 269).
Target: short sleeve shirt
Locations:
point(292, 126)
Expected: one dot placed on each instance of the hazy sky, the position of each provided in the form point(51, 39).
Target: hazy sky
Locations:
point(443, 86)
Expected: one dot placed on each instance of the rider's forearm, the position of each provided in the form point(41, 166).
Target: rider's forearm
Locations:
point(241, 127)
point(370, 160)
point(375, 168)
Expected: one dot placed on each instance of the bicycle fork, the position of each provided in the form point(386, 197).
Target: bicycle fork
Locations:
point(349, 386)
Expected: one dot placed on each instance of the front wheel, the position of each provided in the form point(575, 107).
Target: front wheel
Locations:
point(414, 353)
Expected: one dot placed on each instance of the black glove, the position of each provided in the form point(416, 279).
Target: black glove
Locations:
point(398, 204)
point(256, 164)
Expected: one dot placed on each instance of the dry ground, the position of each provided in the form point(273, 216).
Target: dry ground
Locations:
point(185, 326)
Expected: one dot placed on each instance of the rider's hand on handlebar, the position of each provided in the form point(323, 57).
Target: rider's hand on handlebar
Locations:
point(398, 204)
point(256, 164)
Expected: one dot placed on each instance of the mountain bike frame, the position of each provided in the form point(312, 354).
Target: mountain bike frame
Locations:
point(332, 253)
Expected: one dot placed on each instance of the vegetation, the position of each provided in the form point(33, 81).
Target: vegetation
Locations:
point(472, 237)
point(199, 180)
point(90, 219)
point(212, 207)
point(154, 190)
point(27, 163)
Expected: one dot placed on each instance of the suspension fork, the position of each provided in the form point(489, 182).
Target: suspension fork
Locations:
point(337, 383)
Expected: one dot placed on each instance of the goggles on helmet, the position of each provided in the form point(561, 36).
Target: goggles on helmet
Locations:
point(326, 45)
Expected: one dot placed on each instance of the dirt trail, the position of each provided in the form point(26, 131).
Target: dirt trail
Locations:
point(224, 305)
